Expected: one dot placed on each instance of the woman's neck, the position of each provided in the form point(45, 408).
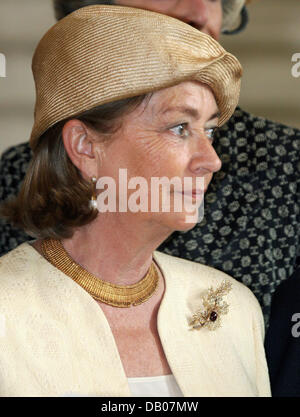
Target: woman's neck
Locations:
point(116, 248)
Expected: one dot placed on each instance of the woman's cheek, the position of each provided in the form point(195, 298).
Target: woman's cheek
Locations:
point(153, 155)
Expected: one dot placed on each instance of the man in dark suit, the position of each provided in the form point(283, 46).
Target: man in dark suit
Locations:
point(283, 339)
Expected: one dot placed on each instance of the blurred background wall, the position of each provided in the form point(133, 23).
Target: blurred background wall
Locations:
point(265, 49)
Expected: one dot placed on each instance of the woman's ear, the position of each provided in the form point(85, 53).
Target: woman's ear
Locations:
point(79, 142)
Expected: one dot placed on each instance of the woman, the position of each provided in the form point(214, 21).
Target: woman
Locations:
point(95, 309)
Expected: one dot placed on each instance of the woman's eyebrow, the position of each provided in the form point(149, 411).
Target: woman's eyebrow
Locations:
point(191, 111)
point(216, 115)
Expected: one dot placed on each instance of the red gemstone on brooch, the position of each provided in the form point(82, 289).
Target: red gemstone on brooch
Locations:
point(213, 316)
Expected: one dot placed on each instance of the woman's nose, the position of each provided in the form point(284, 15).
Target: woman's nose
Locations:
point(204, 159)
point(194, 12)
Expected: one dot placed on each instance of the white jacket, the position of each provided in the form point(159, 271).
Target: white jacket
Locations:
point(55, 339)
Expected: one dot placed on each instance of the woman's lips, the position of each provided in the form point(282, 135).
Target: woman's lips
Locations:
point(195, 194)
point(198, 195)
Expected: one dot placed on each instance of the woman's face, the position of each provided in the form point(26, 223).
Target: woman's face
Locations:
point(169, 135)
point(204, 15)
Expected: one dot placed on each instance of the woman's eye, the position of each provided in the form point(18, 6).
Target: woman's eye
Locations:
point(211, 132)
point(180, 130)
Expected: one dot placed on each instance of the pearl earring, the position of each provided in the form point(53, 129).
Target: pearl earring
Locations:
point(93, 200)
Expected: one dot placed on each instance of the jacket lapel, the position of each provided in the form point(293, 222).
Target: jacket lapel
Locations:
point(204, 362)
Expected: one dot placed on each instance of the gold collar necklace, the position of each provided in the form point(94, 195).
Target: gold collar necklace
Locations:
point(114, 295)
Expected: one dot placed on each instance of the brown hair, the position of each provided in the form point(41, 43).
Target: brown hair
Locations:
point(54, 198)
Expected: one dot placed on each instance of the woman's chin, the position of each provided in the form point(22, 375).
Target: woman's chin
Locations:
point(184, 227)
point(181, 222)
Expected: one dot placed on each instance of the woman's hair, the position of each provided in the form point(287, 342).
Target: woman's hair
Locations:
point(54, 197)
point(64, 7)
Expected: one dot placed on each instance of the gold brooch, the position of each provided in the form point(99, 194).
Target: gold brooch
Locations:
point(214, 307)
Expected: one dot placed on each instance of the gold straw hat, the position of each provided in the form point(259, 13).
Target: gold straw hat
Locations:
point(100, 54)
